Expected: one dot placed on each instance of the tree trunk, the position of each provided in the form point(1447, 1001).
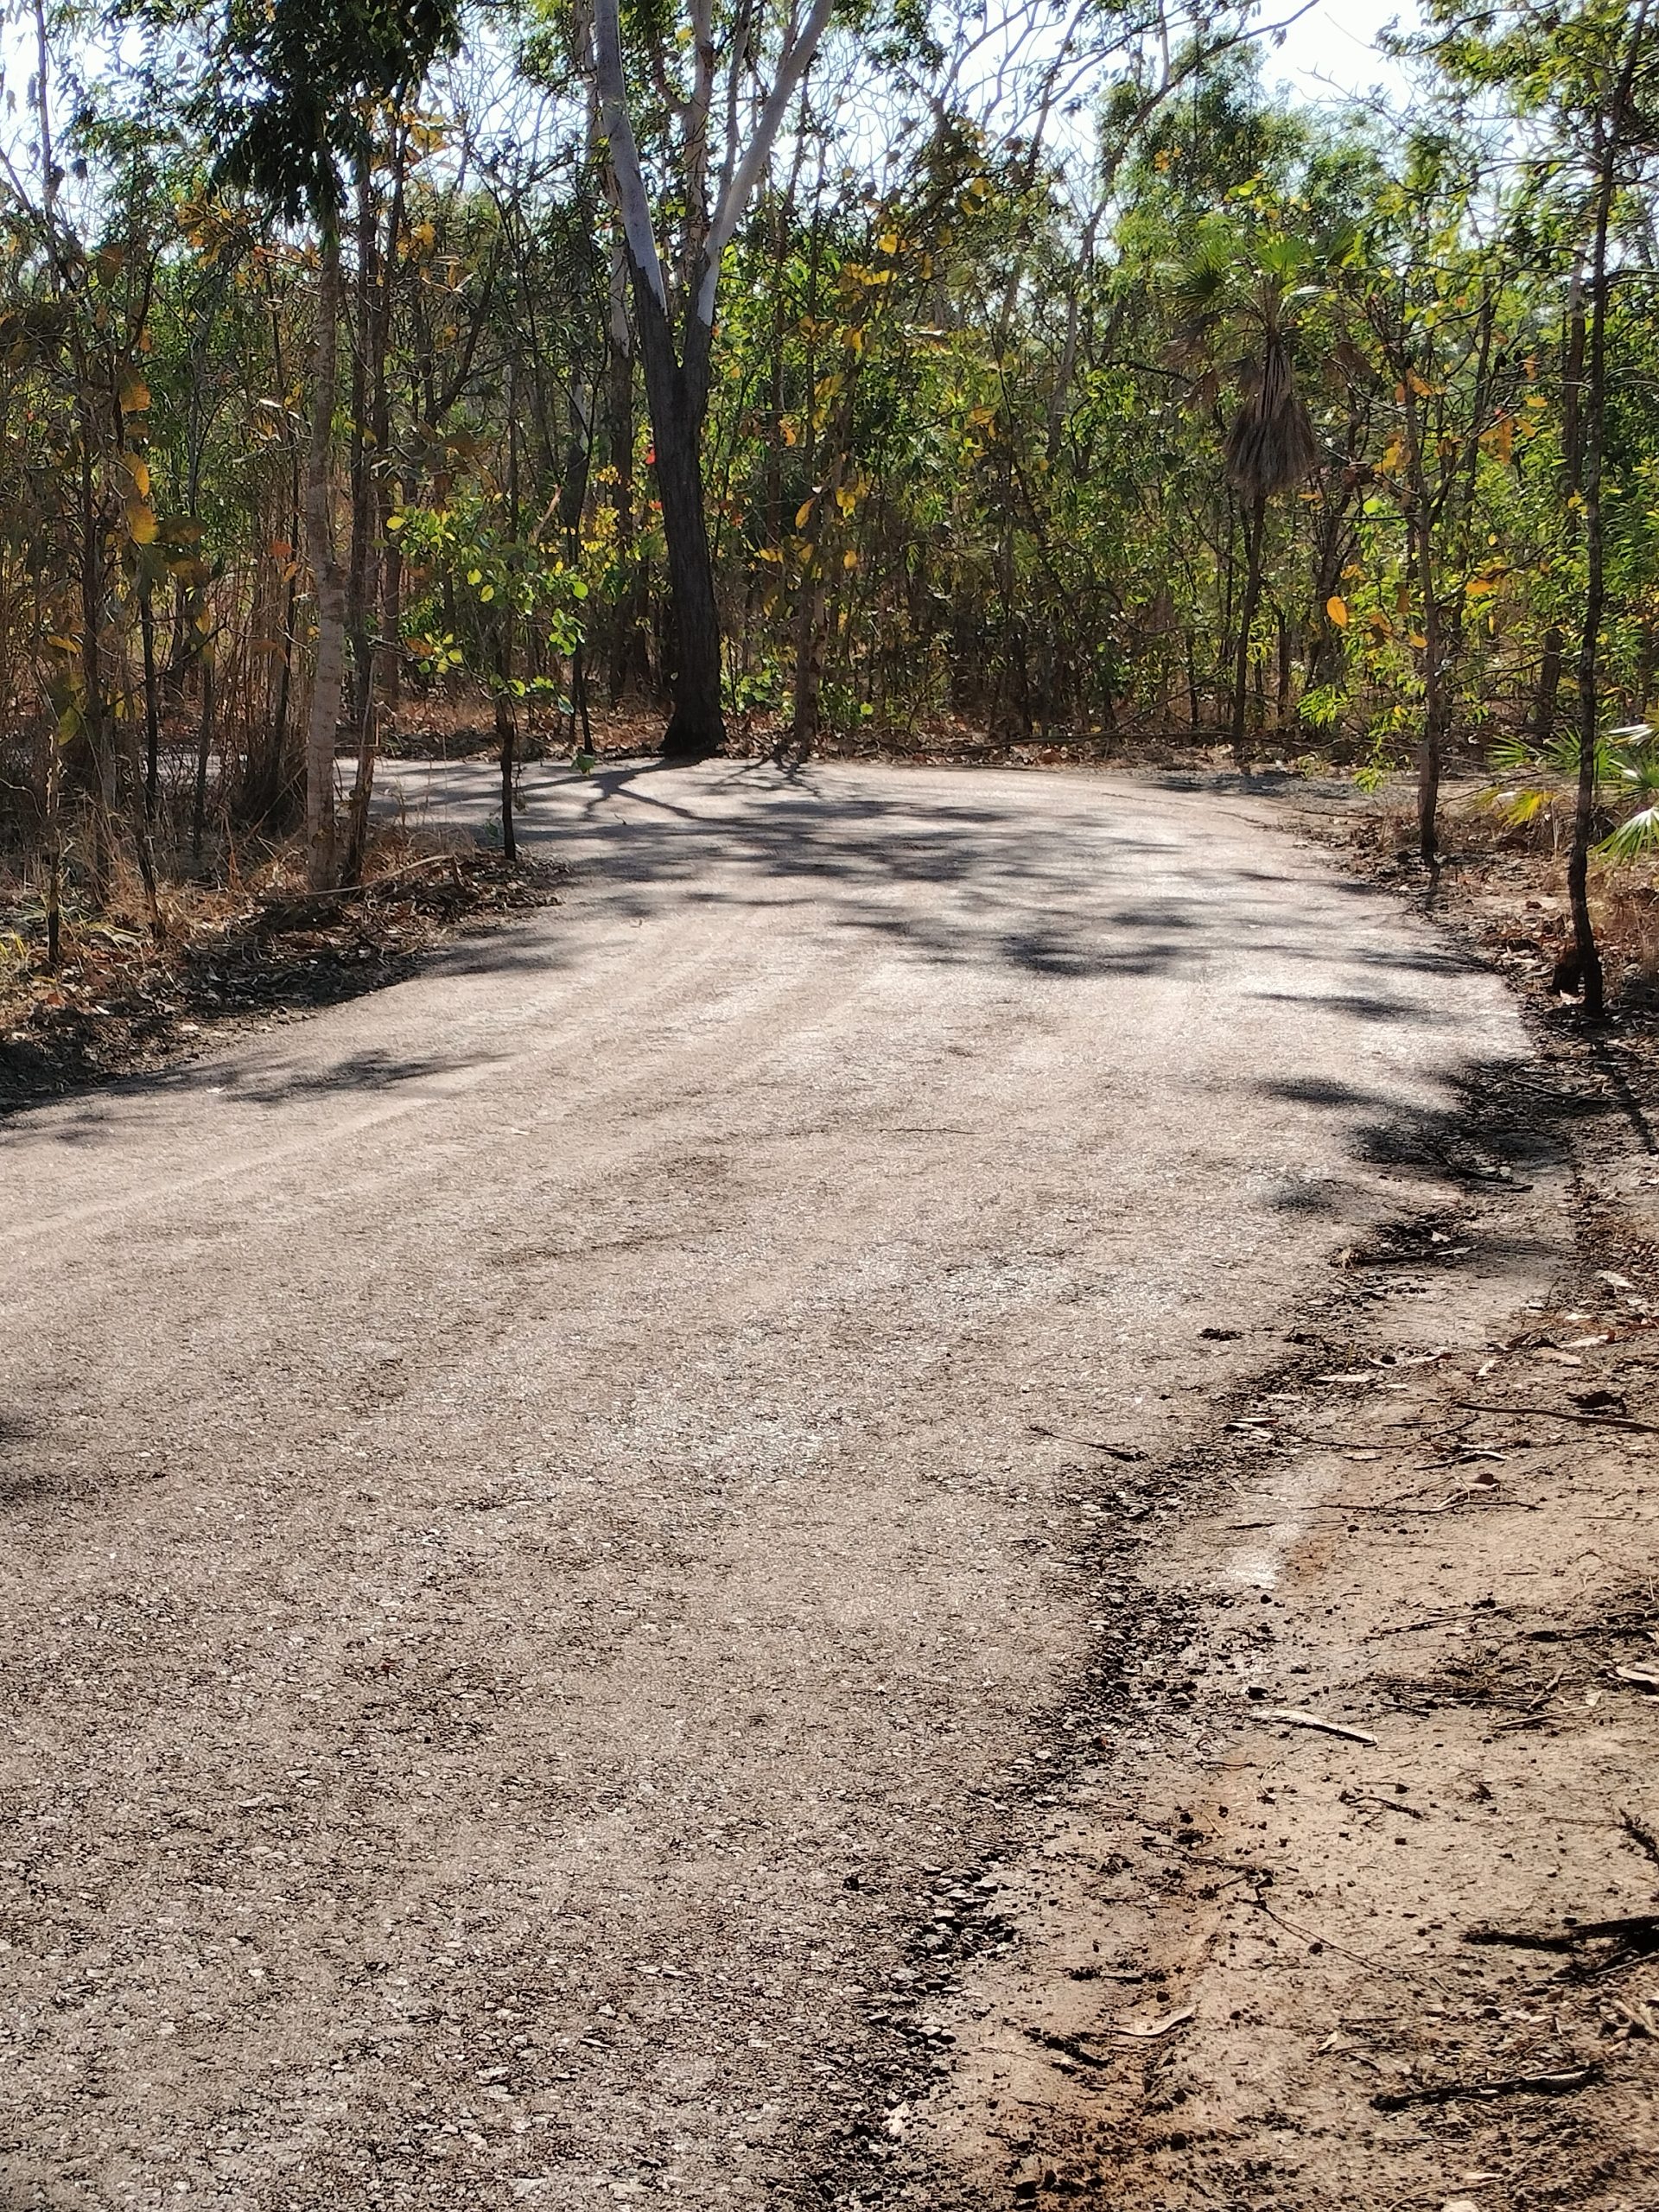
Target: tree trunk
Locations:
point(1588, 956)
point(152, 701)
point(697, 729)
point(1548, 690)
point(204, 754)
point(506, 735)
point(328, 581)
point(1431, 747)
point(359, 576)
point(1253, 533)
point(628, 659)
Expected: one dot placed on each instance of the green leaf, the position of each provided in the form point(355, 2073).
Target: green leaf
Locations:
point(1635, 839)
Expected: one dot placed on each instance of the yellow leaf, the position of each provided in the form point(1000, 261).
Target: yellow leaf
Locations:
point(887, 243)
point(135, 396)
point(1479, 587)
point(139, 472)
point(803, 514)
point(849, 560)
point(1337, 608)
point(142, 524)
point(791, 436)
point(853, 339)
point(846, 499)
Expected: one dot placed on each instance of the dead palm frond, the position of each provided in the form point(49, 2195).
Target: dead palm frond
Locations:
point(1271, 446)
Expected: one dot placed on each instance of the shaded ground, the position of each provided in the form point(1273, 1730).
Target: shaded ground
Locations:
point(123, 1004)
point(545, 1537)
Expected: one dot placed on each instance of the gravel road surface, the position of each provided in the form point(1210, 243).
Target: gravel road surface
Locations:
point(533, 1542)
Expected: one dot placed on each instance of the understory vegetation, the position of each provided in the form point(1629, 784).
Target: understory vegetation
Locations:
point(808, 375)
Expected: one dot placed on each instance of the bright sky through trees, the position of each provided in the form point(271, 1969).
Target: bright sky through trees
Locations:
point(1332, 51)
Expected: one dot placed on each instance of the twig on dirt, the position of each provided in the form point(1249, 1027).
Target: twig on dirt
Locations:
point(1639, 1831)
point(1639, 1930)
point(1509, 2085)
point(1303, 1935)
point(1089, 1444)
point(1388, 1804)
point(1559, 1412)
point(1069, 2046)
point(1293, 1716)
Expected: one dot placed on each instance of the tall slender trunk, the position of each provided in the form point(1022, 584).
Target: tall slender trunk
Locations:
point(152, 700)
point(628, 653)
point(1549, 686)
point(1591, 983)
point(328, 582)
point(1254, 532)
point(1431, 749)
point(371, 395)
point(506, 735)
point(204, 754)
point(678, 397)
point(358, 585)
point(1420, 560)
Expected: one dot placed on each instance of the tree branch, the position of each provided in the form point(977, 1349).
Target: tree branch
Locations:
point(792, 67)
point(625, 153)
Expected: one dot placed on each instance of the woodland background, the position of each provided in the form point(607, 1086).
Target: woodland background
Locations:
point(1038, 369)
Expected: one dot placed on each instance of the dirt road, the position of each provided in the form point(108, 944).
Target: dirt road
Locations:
point(540, 1507)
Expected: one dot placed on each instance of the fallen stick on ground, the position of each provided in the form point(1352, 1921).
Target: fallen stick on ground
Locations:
point(1561, 1413)
point(1441, 2093)
point(1293, 1718)
point(1640, 1929)
point(1089, 1444)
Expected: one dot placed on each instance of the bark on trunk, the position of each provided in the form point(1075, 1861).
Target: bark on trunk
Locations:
point(697, 729)
point(328, 581)
point(1588, 955)
point(1255, 531)
point(152, 701)
point(1431, 748)
point(204, 754)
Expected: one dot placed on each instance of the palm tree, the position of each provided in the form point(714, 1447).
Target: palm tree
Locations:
point(1246, 292)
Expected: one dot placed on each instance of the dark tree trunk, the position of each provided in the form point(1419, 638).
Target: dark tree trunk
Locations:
point(1431, 747)
point(152, 703)
point(1255, 531)
point(1549, 685)
point(506, 737)
point(204, 754)
point(1588, 956)
point(366, 378)
point(677, 396)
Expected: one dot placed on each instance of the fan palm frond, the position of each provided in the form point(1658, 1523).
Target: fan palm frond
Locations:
point(1271, 446)
point(1634, 838)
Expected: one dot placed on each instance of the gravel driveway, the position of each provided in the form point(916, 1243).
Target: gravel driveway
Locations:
point(535, 1535)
